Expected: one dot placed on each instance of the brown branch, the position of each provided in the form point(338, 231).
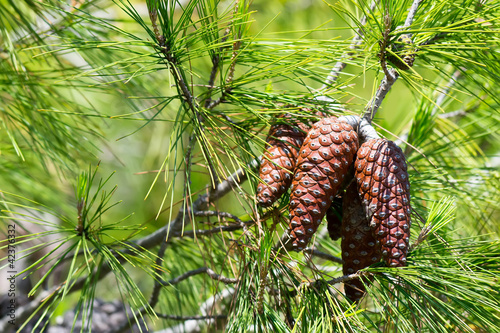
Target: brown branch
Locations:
point(153, 16)
point(384, 44)
point(185, 92)
point(184, 318)
point(219, 229)
point(201, 203)
point(202, 270)
point(210, 213)
point(217, 58)
point(345, 278)
point(322, 255)
point(155, 294)
point(341, 279)
point(229, 79)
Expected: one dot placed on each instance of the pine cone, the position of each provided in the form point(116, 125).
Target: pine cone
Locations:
point(404, 48)
point(324, 160)
point(334, 218)
point(359, 246)
point(384, 189)
point(278, 162)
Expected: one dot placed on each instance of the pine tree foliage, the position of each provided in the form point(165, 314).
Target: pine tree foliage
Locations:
point(178, 98)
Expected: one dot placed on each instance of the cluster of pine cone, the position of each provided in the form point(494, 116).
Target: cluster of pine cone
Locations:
point(358, 180)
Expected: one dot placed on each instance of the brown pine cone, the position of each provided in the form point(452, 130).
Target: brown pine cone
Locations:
point(324, 160)
point(359, 246)
point(278, 162)
point(334, 218)
point(383, 186)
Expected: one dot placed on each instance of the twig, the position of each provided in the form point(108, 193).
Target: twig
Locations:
point(384, 44)
point(229, 79)
point(230, 75)
point(217, 58)
point(232, 66)
point(153, 16)
point(180, 278)
point(200, 204)
point(163, 283)
point(193, 325)
point(340, 279)
point(412, 12)
point(364, 129)
point(391, 74)
point(185, 92)
point(382, 91)
point(202, 270)
point(207, 213)
point(184, 318)
point(356, 41)
point(348, 277)
point(218, 100)
point(219, 229)
point(322, 255)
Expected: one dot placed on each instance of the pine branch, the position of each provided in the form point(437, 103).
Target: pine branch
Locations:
point(209, 213)
point(153, 16)
point(356, 41)
point(232, 67)
point(216, 230)
point(193, 325)
point(184, 318)
point(202, 270)
point(200, 204)
point(341, 279)
point(322, 255)
point(217, 58)
point(382, 91)
point(391, 75)
point(149, 241)
point(176, 280)
point(345, 278)
point(171, 63)
point(412, 12)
